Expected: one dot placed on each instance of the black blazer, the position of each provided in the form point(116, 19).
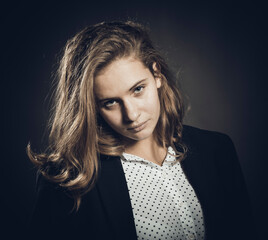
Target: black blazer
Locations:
point(211, 167)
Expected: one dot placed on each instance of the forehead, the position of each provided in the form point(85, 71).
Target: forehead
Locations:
point(119, 76)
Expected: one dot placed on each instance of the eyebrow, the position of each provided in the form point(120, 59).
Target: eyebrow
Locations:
point(136, 84)
point(131, 89)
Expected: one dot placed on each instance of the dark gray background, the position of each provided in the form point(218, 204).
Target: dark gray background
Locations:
point(219, 49)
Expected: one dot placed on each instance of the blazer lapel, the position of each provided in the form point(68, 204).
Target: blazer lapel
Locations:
point(201, 172)
point(114, 193)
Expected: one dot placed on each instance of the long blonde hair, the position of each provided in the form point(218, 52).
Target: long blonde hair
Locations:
point(78, 134)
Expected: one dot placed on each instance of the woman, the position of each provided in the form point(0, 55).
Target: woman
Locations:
point(120, 164)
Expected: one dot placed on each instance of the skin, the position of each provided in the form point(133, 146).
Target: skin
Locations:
point(127, 95)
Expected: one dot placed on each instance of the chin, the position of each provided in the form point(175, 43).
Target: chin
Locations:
point(140, 136)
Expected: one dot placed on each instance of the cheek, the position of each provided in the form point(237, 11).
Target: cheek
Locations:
point(152, 104)
point(112, 118)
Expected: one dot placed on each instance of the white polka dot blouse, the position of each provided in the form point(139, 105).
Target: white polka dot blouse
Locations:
point(164, 203)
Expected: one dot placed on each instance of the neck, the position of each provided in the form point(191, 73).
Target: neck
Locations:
point(148, 149)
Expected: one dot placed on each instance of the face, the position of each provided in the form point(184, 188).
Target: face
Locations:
point(127, 97)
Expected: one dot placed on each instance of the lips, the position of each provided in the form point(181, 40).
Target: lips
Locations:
point(138, 127)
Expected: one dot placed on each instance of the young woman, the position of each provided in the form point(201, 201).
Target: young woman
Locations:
point(120, 163)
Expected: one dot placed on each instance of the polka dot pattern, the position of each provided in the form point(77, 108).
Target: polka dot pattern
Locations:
point(164, 203)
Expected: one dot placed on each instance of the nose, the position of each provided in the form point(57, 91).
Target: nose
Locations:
point(130, 111)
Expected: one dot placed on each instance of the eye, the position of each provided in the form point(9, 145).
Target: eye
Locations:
point(110, 103)
point(139, 89)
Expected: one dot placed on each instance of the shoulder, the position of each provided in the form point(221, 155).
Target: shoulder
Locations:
point(197, 133)
point(209, 144)
point(193, 137)
point(212, 149)
point(51, 198)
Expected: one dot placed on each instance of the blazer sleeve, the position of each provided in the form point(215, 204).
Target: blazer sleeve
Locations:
point(213, 169)
point(240, 214)
point(53, 215)
point(51, 210)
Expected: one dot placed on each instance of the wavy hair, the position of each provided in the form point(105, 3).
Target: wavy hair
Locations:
point(77, 133)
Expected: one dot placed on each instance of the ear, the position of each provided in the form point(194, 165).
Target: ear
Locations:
point(157, 75)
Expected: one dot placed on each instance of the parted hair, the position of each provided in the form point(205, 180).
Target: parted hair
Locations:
point(78, 135)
